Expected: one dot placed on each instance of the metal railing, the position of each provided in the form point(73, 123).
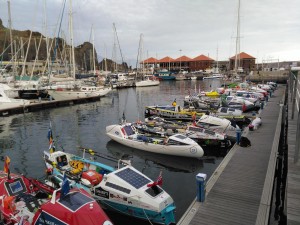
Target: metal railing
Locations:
point(294, 84)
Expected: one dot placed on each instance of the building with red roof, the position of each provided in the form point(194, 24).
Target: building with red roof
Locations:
point(200, 62)
point(151, 60)
point(244, 60)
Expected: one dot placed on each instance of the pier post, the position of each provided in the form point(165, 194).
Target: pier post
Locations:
point(238, 135)
point(262, 105)
point(201, 186)
point(294, 97)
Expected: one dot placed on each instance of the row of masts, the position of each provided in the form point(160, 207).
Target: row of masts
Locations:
point(15, 54)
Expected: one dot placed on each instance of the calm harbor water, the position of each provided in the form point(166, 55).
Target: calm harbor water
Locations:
point(24, 138)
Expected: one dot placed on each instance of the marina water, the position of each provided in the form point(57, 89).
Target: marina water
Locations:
point(23, 138)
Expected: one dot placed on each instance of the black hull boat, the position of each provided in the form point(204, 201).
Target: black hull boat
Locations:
point(33, 94)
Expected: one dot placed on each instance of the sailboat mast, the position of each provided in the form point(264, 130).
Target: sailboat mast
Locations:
point(217, 70)
point(118, 44)
point(72, 41)
point(237, 44)
point(11, 37)
point(139, 55)
point(93, 40)
point(10, 29)
point(105, 62)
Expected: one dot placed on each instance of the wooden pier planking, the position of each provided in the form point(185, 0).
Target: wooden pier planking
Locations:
point(293, 177)
point(238, 195)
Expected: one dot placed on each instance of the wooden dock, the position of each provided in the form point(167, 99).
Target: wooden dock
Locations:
point(36, 105)
point(293, 178)
point(240, 190)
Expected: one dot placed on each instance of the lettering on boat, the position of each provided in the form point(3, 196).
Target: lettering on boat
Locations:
point(102, 193)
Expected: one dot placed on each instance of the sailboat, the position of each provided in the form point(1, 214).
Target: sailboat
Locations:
point(146, 80)
point(77, 91)
point(237, 68)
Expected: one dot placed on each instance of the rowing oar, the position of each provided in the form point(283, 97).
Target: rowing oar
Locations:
point(94, 153)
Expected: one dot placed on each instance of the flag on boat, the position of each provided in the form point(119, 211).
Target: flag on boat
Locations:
point(244, 108)
point(6, 164)
point(158, 181)
point(65, 187)
point(51, 142)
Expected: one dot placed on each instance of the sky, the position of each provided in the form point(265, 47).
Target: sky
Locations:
point(269, 29)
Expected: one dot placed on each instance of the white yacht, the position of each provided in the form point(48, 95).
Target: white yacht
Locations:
point(7, 103)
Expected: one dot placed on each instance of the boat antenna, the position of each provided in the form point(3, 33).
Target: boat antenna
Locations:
point(123, 118)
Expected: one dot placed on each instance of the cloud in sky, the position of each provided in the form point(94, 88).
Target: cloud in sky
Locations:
point(269, 28)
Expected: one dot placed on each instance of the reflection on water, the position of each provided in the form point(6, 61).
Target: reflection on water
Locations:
point(24, 138)
point(170, 163)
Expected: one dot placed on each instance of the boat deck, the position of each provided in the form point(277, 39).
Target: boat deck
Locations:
point(240, 189)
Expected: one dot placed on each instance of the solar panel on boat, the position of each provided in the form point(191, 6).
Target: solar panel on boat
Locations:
point(129, 131)
point(133, 178)
point(73, 201)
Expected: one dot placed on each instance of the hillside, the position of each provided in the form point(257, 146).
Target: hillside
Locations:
point(59, 49)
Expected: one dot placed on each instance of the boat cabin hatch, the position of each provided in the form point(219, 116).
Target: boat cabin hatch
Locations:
point(73, 197)
point(154, 191)
point(16, 187)
point(225, 110)
point(201, 130)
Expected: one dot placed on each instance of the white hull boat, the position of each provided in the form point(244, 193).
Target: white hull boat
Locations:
point(216, 124)
point(146, 83)
point(214, 76)
point(125, 190)
point(177, 144)
point(61, 94)
point(7, 103)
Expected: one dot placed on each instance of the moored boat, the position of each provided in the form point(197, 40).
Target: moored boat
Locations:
point(26, 201)
point(6, 102)
point(147, 82)
point(177, 144)
point(164, 75)
point(125, 190)
point(61, 94)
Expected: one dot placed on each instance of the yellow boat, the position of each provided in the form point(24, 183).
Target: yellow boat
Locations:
point(212, 94)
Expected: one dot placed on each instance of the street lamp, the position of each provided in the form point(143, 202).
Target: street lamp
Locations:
point(180, 60)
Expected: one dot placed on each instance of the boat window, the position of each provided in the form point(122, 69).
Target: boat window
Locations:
point(209, 132)
point(173, 142)
point(128, 129)
point(133, 178)
point(154, 191)
point(195, 129)
point(75, 200)
point(180, 136)
point(231, 109)
point(117, 187)
point(63, 159)
point(223, 110)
